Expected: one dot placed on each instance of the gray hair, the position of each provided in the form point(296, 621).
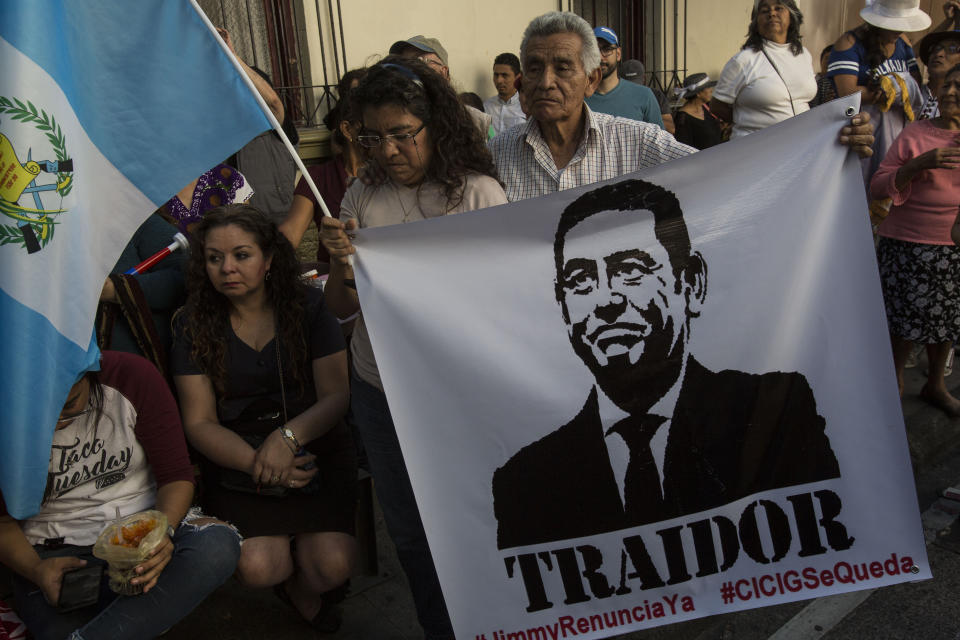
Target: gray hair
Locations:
point(564, 22)
point(789, 5)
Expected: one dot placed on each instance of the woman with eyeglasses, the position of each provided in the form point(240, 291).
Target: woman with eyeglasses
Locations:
point(939, 51)
point(435, 163)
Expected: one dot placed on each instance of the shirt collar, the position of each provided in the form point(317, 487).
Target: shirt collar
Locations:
point(532, 136)
point(610, 413)
point(591, 119)
point(593, 134)
point(667, 403)
point(617, 448)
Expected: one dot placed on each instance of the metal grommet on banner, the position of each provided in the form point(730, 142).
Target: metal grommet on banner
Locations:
point(914, 569)
point(850, 112)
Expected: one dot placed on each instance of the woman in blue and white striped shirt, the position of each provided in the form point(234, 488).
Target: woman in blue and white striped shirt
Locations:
point(876, 60)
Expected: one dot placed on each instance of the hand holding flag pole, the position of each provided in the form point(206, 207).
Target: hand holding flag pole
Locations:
point(266, 109)
point(95, 66)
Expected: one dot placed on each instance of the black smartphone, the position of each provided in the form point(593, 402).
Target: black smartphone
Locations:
point(80, 587)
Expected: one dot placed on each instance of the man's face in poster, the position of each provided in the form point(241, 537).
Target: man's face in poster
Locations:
point(625, 310)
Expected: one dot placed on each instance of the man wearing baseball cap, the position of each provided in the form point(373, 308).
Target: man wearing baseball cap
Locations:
point(431, 52)
point(624, 99)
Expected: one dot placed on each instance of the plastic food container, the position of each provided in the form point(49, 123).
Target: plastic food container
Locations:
point(127, 543)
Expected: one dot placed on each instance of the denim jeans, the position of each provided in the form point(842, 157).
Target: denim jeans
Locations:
point(372, 417)
point(203, 558)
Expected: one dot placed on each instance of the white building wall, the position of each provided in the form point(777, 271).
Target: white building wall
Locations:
point(475, 31)
point(472, 32)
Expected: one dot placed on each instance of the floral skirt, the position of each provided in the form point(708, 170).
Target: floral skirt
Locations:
point(921, 290)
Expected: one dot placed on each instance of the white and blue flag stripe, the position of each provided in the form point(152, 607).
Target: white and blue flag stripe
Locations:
point(140, 99)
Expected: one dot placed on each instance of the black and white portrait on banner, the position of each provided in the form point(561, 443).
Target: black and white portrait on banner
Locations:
point(659, 435)
point(651, 399)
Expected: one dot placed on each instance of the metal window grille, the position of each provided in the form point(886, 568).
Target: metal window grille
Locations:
point(270, 35)
point(652, 31)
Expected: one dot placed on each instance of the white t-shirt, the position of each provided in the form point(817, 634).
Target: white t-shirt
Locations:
point(758, 95)
point(95, 468)
point(505, 114)
point(112, 460)
point(389, 203)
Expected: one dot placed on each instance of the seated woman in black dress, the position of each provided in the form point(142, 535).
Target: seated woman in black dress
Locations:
point(261, 370)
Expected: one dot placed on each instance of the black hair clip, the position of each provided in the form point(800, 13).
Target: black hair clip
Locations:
point(406, 72)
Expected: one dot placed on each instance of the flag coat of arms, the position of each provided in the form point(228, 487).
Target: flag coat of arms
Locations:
point(107, 109)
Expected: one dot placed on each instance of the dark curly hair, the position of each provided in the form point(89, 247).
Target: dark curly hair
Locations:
point(755, 40)
point(458, 146)
point(205, 318)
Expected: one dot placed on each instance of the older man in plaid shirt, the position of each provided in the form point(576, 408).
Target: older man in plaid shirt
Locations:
point(564, 144)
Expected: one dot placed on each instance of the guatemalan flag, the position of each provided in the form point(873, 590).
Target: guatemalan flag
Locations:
point(107, 109)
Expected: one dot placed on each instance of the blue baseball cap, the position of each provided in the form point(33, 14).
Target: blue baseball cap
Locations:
point(608, 34)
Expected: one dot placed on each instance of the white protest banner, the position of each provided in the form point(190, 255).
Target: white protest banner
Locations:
point(643, 401)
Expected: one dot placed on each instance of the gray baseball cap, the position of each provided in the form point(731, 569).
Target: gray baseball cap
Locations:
point(632, 70)
point(423, 43)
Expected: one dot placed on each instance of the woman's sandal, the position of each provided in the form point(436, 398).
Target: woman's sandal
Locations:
point(329, 618)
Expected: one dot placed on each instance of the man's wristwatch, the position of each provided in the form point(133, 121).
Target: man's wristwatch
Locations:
point(290, 437)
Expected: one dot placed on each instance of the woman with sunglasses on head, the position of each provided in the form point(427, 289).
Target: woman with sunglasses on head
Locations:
point(435, 163)
point(261, 370)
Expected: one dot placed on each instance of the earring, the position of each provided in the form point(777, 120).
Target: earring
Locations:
point(267, 276)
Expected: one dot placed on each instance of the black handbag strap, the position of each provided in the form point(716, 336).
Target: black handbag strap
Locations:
point(789, 95)
point(283, 395)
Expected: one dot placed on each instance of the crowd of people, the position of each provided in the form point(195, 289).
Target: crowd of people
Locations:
point(273, 381)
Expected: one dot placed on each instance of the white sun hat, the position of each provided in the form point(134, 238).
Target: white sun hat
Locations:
point(896, 15)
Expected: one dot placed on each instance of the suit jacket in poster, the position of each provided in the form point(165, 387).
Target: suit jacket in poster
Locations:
point(732, 434)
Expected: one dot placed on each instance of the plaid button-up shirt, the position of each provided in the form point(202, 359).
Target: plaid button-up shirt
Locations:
point(611, 147)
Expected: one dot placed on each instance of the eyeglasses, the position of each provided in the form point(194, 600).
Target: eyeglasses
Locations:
point(606, 51)
point(399, 139)
point(949, 49)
